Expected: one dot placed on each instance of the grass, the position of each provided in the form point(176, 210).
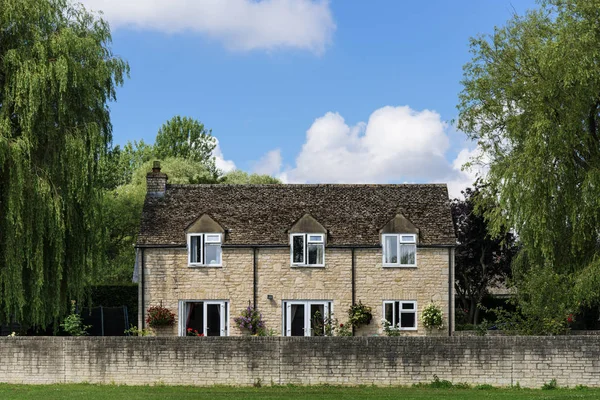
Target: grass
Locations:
point(114, 392)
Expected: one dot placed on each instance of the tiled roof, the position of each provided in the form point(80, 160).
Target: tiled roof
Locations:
point(262, 214)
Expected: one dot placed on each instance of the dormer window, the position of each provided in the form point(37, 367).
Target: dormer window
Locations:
point(308, 249)
point(399, 250)
point(204, 249)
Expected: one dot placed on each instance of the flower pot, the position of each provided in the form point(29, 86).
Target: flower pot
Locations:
point(163, 331)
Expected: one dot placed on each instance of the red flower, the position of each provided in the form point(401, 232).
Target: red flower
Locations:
point(202, 334)
point(341, 325)
point(570, 318)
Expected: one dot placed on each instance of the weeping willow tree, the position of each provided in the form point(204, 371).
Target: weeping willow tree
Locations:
point(57, 74)
point(531, 100)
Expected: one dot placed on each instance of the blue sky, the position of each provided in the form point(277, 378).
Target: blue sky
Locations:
point(311, 91)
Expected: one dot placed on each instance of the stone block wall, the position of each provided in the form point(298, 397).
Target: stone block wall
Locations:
point(499, 361)
point(168, 279)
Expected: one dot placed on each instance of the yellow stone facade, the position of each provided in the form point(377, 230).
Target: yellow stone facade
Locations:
point(168, 279)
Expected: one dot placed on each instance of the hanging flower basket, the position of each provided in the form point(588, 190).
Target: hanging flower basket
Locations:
point(159, 316)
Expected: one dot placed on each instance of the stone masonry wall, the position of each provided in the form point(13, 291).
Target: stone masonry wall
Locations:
point(501, 361)
point(425, 283)
point(168, 279)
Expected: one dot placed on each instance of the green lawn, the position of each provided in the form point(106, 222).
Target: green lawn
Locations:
point(110, 392)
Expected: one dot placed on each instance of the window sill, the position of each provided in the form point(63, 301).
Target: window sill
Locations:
point(407, 329)
point(399, 266)
point(205, 265)
point(307, 266)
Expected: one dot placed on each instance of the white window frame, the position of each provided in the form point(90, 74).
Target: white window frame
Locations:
point(286, 314)
point(204, 241)
point(401, 311)
point(225, 310)
point(306, 237)
point(399, 242)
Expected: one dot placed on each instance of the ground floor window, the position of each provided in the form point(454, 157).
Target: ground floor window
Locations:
point(207, 317)
point(401, 314)
point(306, 317)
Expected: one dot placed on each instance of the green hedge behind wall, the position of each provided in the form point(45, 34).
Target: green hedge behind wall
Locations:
point(116, 296)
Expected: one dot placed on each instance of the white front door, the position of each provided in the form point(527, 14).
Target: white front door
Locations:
point(306, 318)
point(205, 317)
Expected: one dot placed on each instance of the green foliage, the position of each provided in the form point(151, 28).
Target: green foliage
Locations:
point(57, 73)
point(241, 177)
point(531, 100)
point(482, 328)
point(115, 296)
point(73, 323)
point(185, 138)
point(552, 385)
point(359, 314)
point(134, 331)
point(438, 383)
point(432, 316)
point(287, 391)
point(481, 261)
point(251, 320)
point(389, 329)
point(343, 329)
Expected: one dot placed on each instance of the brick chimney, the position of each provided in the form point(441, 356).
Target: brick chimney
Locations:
point(156, 181)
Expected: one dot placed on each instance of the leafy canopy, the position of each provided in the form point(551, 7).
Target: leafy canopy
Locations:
point(57, 74)
point(531, 99)
point(482, 261)
point(185, 138)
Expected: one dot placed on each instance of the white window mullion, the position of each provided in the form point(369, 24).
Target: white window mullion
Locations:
point(305, 250)
point(204, 318)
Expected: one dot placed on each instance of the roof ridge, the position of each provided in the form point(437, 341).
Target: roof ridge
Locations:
point(194, 185)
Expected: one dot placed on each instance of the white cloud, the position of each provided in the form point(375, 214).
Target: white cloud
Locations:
point(463, 177)
point(220, 161)
point(239, 24)
point(269, 164)
point(396, 145)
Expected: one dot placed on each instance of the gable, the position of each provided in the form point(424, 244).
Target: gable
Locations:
point(204, 224)
point(400, 224)
point(308, 224)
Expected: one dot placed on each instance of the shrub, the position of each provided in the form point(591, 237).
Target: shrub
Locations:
point(359, 315)
point(440, 383)
point(73, 323)
point(550, 385)
point(432, 316)
point(160, 316)
point(343, 329)
point(251, 319)
point(134, 331)
point(485, 386)
point(389, 329)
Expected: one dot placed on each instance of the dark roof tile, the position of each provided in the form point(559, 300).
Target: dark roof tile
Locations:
point(262, 214)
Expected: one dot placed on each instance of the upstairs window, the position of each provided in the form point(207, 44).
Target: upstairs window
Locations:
point(401, 315)
point(308, 249)
point(400, 250)
point(204, 249)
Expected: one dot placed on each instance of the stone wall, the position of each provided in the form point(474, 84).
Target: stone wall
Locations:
point(168, 279)
point(423, 284)
point(501, 361)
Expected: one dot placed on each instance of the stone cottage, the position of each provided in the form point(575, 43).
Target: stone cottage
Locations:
point(297, 253)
